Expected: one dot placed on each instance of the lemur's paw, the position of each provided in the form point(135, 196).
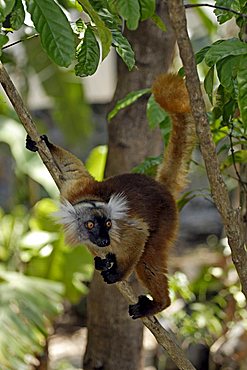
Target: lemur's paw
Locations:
point(143, 307)
point(111, 276)
point(31, 144)
point(104, 264)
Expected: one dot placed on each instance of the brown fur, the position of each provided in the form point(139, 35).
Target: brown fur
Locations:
point(151, 226)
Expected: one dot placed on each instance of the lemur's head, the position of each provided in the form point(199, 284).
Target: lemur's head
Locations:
point(93, 223)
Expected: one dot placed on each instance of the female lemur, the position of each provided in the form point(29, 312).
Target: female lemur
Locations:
point(130, 221)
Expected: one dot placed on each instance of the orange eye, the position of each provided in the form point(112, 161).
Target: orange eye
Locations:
point(108, 224)
point(89, 225)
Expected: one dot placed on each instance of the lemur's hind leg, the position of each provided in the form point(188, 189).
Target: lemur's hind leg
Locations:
point(152, 272)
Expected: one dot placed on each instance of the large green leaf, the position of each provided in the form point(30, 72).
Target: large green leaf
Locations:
point(159, 22)
point(224, 49)
point(88, 54)
point(5, 8)
point(96, 161)
point(128, 100)
point(130, 11)
point(123, 48)
point(55, 32)
point(147, 8)
point(103, 32)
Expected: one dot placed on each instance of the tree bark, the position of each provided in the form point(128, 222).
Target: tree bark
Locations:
point(115, 340)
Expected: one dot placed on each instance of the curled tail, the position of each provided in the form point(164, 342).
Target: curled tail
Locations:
point(170, 92)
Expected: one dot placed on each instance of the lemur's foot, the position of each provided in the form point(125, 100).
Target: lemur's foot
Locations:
point(32, 145)
point(144, 307)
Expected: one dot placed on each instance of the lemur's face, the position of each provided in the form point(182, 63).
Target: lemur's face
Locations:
point(93, 223)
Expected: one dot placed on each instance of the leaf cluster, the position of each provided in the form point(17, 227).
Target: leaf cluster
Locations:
point(81, 43)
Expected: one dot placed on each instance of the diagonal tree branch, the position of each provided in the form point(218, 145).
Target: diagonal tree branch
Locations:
point(231, 217)
point(163, 337)
point(28, 124)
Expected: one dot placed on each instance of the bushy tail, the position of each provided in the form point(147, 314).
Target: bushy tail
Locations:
point(170, 92)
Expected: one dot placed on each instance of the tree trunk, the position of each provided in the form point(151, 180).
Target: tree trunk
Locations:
point(115, 340)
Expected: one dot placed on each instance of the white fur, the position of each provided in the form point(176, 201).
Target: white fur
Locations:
point(66, 214)
point(118, 206)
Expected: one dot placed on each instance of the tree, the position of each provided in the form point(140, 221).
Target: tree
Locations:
point(227, 58)
point(130, 142)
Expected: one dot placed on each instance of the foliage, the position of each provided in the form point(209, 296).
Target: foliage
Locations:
point(80, 42)
point(204, 312)
point(27, 307)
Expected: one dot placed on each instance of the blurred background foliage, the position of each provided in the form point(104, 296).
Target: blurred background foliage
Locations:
point(38, 270)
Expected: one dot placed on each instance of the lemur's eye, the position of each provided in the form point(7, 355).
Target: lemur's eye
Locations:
point(108, 224)
point(89, 225)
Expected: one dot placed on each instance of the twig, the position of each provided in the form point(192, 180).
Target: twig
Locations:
point(21, 40)
point(187, 6)
point(231, 217)
point(29, 125)
point(243, 184)
point(164, 338)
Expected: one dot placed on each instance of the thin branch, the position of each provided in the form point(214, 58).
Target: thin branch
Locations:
point(21, 40)
point(187, 6)
point(163, 337)
point(242, 183)
point(231, 217)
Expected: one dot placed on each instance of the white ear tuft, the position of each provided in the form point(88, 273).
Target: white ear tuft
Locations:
point(66, 214)
point(118, 206)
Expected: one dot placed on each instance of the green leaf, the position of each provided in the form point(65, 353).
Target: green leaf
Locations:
point(147, 8)
point(130, 11)
point(155, 114)
point(103, 32)
point(128, 100)
point(201, 54)
point(96, 161)
point(227, 70)
point(123, 48)
point(55, 32)
point(237, 157)
point(6, 7)
point(149, 166)
point(88, 54)
point(224, 15)
point(159, 22)
point(242, 91)
point(225, 49)
point(17, 15)
point(209, 83)
point(3, 40)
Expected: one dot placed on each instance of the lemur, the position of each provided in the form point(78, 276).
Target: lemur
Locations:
point(130, 221)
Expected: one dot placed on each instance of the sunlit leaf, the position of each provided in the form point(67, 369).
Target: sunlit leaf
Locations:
point(96, 162)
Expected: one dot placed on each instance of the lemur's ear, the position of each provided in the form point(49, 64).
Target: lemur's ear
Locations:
point(118, 206)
